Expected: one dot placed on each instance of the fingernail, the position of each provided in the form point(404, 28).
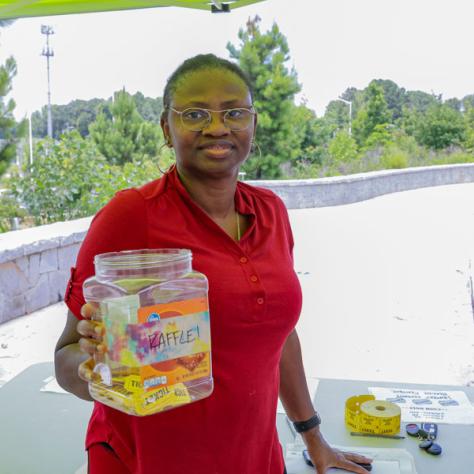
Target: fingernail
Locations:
point(95, 377)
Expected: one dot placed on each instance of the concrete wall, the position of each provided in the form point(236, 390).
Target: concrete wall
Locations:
point(35, 263)
point(339, 190)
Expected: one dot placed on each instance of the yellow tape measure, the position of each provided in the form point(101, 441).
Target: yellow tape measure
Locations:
point(365, 414)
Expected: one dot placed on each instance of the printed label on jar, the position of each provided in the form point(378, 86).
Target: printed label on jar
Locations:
point(170, 343)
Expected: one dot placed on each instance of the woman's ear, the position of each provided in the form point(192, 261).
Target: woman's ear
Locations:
point(166, 129)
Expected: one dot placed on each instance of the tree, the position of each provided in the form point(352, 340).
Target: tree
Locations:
point(70, 179)
point(441, 127)
point(469, 137)
point(10, 130)
point(63, 170)
point(394, 96)
point(454, 103)
point(342, 149)
point(263, 56)
point(79, 114)
point(150, 109)
point(122, 135)
point(374, 112)
point(313, 134)
point(337, 115)
point(468, 101)
point(420, 101)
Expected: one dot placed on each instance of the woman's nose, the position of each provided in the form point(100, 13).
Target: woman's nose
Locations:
point(216, 125)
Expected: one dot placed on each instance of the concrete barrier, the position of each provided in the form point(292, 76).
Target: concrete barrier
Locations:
point(337, 190)
point(35, 263)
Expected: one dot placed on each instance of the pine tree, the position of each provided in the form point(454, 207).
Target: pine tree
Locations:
point(263, 56)
point(10, 130)
point(122, 135)
point(373, 115)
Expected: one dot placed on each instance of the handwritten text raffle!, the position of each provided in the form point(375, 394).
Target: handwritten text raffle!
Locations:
point(160, 341)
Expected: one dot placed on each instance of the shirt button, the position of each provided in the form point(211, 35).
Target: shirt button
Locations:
point(243, 260)
point(254, 278)
point(260, 300)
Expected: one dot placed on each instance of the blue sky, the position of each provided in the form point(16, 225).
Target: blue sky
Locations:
point(420, 44)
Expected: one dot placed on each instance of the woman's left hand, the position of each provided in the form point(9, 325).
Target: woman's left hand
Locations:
point(325, 457)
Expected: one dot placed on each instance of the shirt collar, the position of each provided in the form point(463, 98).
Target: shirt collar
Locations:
point(243, 202)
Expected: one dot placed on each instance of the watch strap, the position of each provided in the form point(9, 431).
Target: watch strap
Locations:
point(302, 426)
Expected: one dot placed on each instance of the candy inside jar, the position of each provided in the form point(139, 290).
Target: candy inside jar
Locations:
point(155, 313)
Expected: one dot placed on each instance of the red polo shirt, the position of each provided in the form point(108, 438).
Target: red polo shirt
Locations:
point(255, 301)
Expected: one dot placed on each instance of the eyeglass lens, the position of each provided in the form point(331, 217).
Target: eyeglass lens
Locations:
point(198, 119)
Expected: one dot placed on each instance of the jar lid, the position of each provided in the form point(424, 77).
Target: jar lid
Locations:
point(161, 260)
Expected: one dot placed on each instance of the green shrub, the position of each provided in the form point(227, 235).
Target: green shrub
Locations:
point(342, 149)
point(70, 179)
point(9, 209)
point(453, 158)
point(394, 158)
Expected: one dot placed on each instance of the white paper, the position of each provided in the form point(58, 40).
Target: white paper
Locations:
point(430, 406)
point(52, 386)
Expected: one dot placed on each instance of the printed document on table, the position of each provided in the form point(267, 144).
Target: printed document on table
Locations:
point(431, 406)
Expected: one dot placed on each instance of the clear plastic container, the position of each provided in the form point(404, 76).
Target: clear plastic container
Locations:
point(155, 312)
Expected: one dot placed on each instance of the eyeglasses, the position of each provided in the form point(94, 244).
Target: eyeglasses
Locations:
point(195, 119)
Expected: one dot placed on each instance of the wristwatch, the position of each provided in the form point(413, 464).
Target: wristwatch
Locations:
point(302, 426)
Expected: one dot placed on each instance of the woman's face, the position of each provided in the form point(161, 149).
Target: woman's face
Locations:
point(215, 151)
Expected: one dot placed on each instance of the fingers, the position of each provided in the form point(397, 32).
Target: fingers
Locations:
point(92, 329)
point(91, 346)
point(358, 458)
point(348, 462)
point(86, 371)
point(90, 310)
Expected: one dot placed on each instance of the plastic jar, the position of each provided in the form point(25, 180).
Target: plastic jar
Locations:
point(155, 313)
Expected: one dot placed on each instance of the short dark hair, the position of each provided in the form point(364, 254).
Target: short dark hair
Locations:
point(198, 63)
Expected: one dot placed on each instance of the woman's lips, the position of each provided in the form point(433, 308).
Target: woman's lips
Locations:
point(217, 150)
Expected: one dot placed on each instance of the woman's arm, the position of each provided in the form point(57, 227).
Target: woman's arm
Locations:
point(296, 400)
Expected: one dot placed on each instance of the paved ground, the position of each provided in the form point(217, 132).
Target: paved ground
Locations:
point(386, 292)
point(386, 287)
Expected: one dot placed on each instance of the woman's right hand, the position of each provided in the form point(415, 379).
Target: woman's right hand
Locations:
point(91, 341)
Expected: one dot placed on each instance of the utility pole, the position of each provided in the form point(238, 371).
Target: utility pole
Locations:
point(349, 103)
point(48, 52)
point(30, 139)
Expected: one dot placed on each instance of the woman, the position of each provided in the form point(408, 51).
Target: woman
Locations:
point(241, 240)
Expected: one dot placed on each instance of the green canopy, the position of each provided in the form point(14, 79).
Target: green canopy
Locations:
point(28, 8)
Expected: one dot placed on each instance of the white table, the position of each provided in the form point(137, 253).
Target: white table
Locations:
point(44, 432)
point(457, 441)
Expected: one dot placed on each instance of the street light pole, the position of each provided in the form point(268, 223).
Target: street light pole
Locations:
point(349, 103)
point(30, 139)
point(48, 52)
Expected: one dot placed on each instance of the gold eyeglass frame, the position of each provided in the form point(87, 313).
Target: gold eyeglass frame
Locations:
point(209, 115)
